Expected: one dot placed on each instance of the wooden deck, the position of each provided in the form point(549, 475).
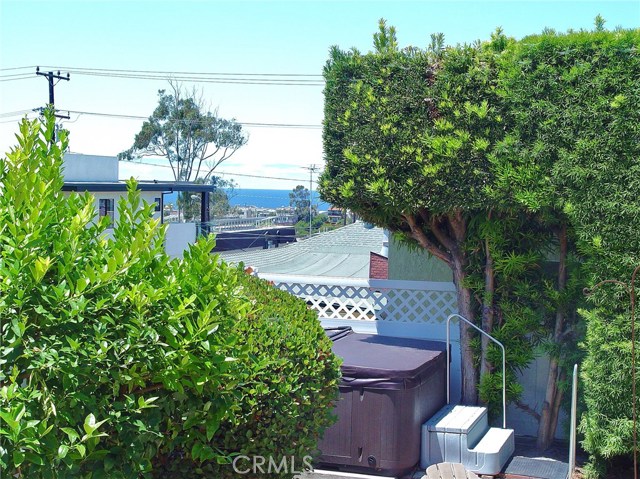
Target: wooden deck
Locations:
point(448, 470)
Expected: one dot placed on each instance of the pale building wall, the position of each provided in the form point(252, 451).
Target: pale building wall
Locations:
point(79, 167)
point(179, 237)
point(115, 196)
point(415, 265)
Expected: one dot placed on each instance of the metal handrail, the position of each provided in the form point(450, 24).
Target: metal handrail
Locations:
point(572, 432)
point(504, 365)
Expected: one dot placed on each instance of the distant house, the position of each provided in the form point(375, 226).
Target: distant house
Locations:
point(335, 215)
point(343, 252)
point(98, 175)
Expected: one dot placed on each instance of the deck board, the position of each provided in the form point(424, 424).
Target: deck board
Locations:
point(448, 470)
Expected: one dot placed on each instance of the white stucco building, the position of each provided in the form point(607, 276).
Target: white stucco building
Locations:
point(98, 175)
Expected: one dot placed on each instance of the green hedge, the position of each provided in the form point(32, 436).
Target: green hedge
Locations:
point(575, 100)
point(116, 360)
point(286, 383)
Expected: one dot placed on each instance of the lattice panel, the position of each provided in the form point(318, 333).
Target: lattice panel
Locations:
point(415, 306)
point(335, 302)
point(365, 303)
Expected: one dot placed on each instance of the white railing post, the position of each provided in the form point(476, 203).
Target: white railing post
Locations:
point(504, 364)
point(572, 432)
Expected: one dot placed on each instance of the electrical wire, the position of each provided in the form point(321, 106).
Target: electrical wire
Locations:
point(17, 68)
point(26, 77)
point(138, 117)
point(216, 172)
point(248, 124)
point(11, 75)
point(281, 79)
point(181, 72)
point(238, 81)
point(14, 113)
point(12, 121)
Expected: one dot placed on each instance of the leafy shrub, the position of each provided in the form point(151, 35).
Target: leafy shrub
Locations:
point(114, 357)
point(286, 384)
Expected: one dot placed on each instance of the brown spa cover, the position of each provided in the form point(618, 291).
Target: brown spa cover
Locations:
point(389, 388)
point(369, 358)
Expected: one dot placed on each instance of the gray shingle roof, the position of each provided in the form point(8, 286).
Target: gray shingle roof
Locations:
point(341, 252)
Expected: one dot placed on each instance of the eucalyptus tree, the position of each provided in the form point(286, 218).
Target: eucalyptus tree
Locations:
point(194, 141)
point(300, 201)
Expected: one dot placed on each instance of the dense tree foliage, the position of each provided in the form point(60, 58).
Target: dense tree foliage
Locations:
point(575, 100)
point(496, 157)
point(193, 140)
point(407, 136)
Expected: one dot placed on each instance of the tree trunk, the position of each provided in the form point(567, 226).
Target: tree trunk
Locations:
point(465, 309)
point(549, 415)
point(450, 233)
point(487, 309)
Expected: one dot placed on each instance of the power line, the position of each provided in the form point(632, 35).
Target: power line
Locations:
point(8, 121)
point(25, 77)
point(225, 80)
point(216, 172)
point(29, 67)
point(229, 81)
point(249, 124)
point(185, 73)
point(268, 78)
point(11, 75)
point(14, 113)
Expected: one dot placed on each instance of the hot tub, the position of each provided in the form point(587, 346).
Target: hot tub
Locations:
point(389, 388)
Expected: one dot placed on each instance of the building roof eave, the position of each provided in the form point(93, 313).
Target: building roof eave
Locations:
point(162, 186)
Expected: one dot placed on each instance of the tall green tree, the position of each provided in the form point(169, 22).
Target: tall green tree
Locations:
point(421, 143)
point(300, 200)
point(575, 102)
point(194, 141)
point(406, 139)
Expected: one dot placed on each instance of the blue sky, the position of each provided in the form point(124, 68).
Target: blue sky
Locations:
point(265, 37)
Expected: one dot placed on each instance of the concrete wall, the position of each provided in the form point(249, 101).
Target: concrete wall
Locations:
point(415, 265)
point(179, 237)
point(78, 167)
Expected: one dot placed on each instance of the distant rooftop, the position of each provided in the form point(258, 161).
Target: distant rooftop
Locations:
point(342, 252)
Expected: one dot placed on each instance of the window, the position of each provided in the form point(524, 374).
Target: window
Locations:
point(158, 201)
point(106, 208)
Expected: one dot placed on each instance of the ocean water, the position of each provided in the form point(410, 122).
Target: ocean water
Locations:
point(269, 198)
point(262, 198)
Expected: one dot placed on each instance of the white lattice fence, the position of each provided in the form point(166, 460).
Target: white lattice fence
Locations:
point(361, 299)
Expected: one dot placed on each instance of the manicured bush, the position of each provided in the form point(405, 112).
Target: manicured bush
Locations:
point(286, 384)
point(116, 360)
point(576, 109)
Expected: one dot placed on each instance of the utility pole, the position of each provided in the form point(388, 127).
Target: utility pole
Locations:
point(312, 169)
point(50, 76)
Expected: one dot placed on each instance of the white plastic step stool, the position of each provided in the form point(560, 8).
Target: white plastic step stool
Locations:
point(461, 434)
